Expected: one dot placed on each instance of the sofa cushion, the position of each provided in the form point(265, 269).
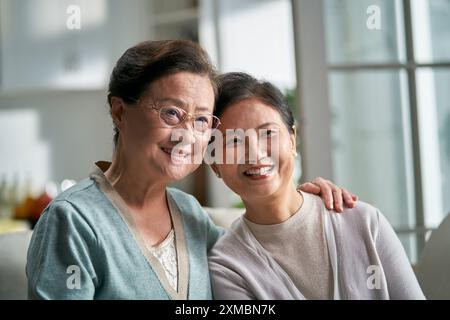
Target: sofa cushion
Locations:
point(224, 217)
point(13, 253)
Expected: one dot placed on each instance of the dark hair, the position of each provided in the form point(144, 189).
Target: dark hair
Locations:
point(234, 87)
point(150, 60)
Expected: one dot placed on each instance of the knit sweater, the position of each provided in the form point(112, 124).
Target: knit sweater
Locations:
point(85, 246)
point(366, 258)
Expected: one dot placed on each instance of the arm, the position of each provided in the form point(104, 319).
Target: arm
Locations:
point(227, 285)
point(401, 280)
point(59, 264)
point(213, 232)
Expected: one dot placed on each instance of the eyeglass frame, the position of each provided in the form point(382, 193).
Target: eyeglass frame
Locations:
point(188, 115)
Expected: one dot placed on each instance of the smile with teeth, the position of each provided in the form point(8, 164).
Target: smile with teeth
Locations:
point(261, 171)
point(179, 154)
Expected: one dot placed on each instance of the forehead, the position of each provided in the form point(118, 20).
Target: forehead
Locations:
point(185, 87)
point(249, 113)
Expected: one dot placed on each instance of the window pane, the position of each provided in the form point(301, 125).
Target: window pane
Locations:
point(431, 25)
point(434, 113)
point(371, 147)
point(257, 37)
point(38, 51)
point(164, 6)
point(409, 242)
point(349, 39)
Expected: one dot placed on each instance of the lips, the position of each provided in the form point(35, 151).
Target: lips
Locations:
point(259, 171)
point(181, 154)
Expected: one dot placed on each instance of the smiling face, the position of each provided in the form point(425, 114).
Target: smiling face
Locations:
point(271, 171)
point(146, 142)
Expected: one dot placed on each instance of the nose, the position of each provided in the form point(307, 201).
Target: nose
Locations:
point(184, 134)
point(256, 149)
point(189, 135)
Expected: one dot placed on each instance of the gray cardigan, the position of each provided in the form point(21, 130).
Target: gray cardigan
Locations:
point(366, 257)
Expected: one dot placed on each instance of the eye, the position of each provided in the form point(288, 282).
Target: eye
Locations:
point(202, 119)
point(234, 142)
point(269, 133)
point(171, 112)
point(171, 115)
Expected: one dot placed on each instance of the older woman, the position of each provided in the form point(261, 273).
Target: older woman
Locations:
point(288, 245)
point(122, 233)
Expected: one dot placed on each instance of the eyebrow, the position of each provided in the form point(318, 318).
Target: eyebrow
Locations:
point(202, 108)
point(258, 127)
point(182, 103)
point(267, 124)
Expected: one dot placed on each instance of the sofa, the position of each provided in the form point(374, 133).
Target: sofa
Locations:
point(433, 268)
point(13, 252)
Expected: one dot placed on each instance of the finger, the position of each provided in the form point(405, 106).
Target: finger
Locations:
point(309, 188)
point(354, 197)
point(348, 199)
point(337, 198)
point(325, 193)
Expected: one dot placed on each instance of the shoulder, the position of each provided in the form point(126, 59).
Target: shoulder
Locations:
point(362, 212)
point(363, 217)
point(196, 220)
point(365, 212)
point(187, 204)
point(85, 191)
point(73, 208)
point(62, 228)
point(74, 196)
point(86, 198)
point(177, 194)
point(231, 246)
point(225, 244)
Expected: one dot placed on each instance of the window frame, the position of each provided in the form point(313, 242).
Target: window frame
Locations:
point(314, 108)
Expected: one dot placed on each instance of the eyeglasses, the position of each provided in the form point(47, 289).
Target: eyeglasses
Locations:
point(173, 116)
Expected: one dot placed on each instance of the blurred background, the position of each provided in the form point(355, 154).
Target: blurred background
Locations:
point(368, 81)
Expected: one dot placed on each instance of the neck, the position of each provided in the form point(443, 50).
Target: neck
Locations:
point(276, 208)
point(138, 190)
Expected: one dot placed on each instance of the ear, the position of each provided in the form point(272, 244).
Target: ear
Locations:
point(216, 170)
point(293, 137)
point(117, 109)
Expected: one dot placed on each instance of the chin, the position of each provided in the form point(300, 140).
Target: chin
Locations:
point(262, 192)
point(258, 190)
point(179, 172)
point(171, 169)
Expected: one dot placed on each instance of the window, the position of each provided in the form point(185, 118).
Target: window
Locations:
point(390, 109)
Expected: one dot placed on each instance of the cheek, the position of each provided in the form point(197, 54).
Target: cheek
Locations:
point(229, 173)
point(285, 156)
point(286, 161)
point(201, 143)
point(137, 126)
point(230, 155)
point(152, 137)
point(145, 140)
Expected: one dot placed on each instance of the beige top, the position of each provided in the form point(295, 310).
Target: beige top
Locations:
point(307, 263)
point(166, 253)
